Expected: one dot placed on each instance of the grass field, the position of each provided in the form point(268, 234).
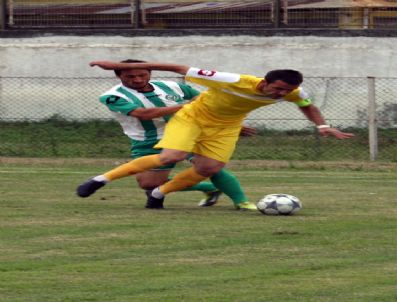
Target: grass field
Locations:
point(56, 247)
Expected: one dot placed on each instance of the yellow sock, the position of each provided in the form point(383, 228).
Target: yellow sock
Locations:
point(134, 166)
point(184, 179)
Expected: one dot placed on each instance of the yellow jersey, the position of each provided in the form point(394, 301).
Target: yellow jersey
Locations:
point(230, 97)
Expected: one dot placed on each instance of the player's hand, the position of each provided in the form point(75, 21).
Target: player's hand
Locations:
point(335, 132)
point(107, 65)
point(247, 131)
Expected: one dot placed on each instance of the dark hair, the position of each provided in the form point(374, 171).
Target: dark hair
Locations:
point(118, 71)
point(289, 76)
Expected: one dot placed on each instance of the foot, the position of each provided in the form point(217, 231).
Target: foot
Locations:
point(211, 199)
point(243, 206)
point(152, 202)
point(89, 187)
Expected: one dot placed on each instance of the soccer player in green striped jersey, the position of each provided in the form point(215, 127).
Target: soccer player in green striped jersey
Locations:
point(143, 107)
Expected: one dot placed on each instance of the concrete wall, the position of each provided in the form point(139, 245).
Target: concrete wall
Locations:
point(340, 99)
point(315, 56)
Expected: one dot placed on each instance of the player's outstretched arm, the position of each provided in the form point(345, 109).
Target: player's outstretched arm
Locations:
point(109, 65)
point(145, 114)
point(313, 114)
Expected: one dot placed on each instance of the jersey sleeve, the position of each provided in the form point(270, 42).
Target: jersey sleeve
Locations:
point(304, 103)
point(118, 104)
point(212, 79)
point(188, 91)
point(299, 97)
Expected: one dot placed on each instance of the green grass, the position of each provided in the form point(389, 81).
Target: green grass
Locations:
point(59, 138)
point(56, 247)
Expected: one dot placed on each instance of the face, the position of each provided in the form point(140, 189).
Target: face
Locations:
point(277, 89)
point(137, 79)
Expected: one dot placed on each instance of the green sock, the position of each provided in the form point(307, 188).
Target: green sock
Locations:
point(229, 185)
point(204, 186)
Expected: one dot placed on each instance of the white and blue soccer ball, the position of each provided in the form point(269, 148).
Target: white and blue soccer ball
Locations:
point(279, 204)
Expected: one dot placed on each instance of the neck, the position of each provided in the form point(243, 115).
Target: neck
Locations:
point(147, 88)
point(260, 86)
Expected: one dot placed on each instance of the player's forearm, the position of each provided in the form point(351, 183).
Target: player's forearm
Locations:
point(151, 113)
point(181, 69)
point(313, 114)
point(109, 65)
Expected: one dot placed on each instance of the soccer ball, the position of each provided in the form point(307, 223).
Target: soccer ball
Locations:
point(279, 204)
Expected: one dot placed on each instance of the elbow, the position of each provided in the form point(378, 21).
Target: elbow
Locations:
point(182, 69)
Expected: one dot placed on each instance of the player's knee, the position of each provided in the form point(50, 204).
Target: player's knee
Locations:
point(208, 171)
point(172, 157)
point(206, 166)
point(149, 183)
point(146, 184)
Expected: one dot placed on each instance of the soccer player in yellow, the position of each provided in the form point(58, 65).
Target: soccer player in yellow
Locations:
point(209, 127)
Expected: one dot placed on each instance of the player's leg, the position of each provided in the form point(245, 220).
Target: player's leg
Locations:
point(229, 184)
point(221, 145)
point(179, 136)
point(149, 180)
point(181, 133)
point(182, 180)
point(190, 176)
point(212, 194)
point(212, 146)
point(131, 168)
point(211, 151)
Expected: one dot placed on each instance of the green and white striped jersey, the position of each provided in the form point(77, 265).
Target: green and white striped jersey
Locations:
point(121, 100)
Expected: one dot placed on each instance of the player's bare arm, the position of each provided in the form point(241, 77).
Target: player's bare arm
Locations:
point(109, 65)
point(151, 113)
point(313, 114)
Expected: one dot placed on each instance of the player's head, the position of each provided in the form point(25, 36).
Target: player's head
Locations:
point(134, 78)
point(289, 76)
point(280, 82)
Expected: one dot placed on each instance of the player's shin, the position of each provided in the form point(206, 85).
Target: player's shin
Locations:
point(182, 180)
point(229, 185)
point(133, 167)
point(204, 186)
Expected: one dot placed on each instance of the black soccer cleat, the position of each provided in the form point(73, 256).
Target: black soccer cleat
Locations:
point(89, 187)
point(211, 198)
point(152, 202)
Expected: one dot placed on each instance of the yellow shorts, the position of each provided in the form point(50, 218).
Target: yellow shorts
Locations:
point(186, 134)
